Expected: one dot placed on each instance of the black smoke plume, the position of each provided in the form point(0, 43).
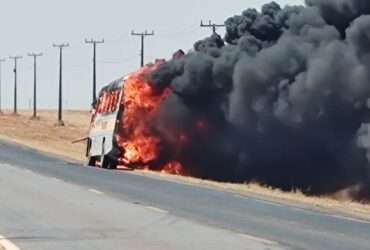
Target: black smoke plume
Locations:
point(282, 99)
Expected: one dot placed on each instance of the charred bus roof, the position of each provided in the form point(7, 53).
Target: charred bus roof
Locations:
point(115, 85)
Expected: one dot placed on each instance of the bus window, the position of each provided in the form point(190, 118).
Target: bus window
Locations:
point(108, 102)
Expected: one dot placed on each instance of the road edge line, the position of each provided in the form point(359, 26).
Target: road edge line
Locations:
point(258, 239)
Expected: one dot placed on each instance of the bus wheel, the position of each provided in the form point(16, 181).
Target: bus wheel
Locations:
point(113, 164)
point(108, 163)
point(91, 161)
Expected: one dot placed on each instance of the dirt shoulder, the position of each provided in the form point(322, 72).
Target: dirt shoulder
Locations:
point(45, 136)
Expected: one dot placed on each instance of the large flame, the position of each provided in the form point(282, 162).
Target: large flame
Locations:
point(141, 146)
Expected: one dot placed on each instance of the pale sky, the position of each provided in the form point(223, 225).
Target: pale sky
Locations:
point(34, 25)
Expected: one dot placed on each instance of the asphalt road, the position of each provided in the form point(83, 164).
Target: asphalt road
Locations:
point(47, 203)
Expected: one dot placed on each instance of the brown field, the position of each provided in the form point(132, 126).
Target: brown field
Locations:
point(45, 136)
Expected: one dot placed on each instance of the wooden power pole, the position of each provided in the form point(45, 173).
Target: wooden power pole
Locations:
point(60, 105)
point(34, 55)
point(94, 43)
point(1, 64)
point(142, 36)
point(15, 58)
point(211, 25)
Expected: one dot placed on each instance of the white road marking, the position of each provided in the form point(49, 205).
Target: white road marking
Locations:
point(56, 179)
point(298, 209)
point(348, 218)
point(7, 244)
point(269, 203)
point(258, 200)
point(240, 197)
point(95, 191)
point(258, 239)
point(155, 209)
point(336, 216)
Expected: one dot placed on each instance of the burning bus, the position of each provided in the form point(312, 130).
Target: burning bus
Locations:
point(121, 131)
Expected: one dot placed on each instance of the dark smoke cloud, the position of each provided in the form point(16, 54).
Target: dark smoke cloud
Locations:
point(285, 97)
point(341, 13)
point(213, 42)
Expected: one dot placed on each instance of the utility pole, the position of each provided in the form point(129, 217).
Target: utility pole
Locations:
point(142, 35)
point(61, 47)
point(15, 58)
point(34, 55)
point(211, 25)
point(94, 43)
point(1, 64)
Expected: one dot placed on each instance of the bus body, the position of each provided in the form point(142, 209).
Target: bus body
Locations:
point(101, 145)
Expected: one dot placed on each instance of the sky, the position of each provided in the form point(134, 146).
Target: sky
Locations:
point(33, 26)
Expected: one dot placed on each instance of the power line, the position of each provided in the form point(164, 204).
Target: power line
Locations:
point(142, 35)
point(35, 55)
point(211, 25)
point(15, 58)
point(1, 64)
point(169, 32)
point(61, 47)
point(94, 43)
point(117, 40)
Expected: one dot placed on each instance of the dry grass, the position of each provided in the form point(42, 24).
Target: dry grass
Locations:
point(43, 135)
point(296, 198)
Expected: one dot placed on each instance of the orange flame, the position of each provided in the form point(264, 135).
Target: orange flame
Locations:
point(174, 168)
point(141, 106)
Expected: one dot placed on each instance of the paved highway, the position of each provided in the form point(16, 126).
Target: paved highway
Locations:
point(47, 203)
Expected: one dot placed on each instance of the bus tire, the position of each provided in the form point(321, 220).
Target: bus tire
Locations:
point(108, 163)
point(91, 161)
point(113, 164)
